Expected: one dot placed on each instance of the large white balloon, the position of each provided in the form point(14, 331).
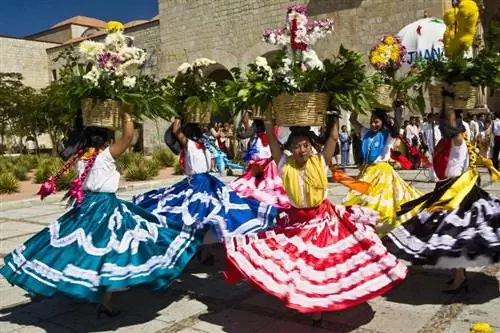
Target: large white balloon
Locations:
point(422, 39)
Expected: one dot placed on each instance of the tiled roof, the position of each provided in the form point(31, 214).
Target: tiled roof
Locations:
point(82, 20)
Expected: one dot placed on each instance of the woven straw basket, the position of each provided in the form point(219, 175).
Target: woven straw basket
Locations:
point(198, 116)
point(436, 94)
point(465, 95)
point(301, 109)
point(383, 96)
point(102, 113)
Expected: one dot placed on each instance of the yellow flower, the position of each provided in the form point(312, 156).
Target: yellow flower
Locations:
point(389, 40)
point(481, 328)
point(395, 55)
point(467, 40)
point(115, 26)
point(449, 16)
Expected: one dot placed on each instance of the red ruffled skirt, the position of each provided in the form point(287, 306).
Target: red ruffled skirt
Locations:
point(328, 258)
point(262, 182)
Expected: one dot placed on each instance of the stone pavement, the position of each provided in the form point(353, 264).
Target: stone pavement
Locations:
point(200, 301)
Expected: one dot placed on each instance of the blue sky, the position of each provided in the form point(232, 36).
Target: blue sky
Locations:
point(24, 17)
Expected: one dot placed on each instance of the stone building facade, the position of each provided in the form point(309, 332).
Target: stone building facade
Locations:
point(229, 31)
point(26, 57)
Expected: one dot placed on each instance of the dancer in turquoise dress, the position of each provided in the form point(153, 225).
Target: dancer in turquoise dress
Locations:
point(102, 243)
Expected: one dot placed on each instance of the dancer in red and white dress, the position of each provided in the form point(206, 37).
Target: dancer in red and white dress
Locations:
point(261, 180)
point(327, 257)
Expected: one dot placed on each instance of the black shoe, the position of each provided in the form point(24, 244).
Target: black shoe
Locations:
point(317, 322)
point(101, 309)
point(463, 287)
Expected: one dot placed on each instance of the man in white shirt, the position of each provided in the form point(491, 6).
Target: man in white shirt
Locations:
point(431, 132)
point(412, 132)
point(474, 128)
point(431, 136)
point(496, 142)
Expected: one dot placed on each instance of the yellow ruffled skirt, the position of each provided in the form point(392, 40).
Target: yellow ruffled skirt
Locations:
point(388, 192)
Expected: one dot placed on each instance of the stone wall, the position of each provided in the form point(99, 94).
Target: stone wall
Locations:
point(26, 57)
point(229, 31)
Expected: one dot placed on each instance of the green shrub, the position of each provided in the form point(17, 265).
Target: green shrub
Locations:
point(20, 171)
point(47, 167)
point(30, 162)
point(143, 169)
point(127, 159)
point(8, 183)
point(177, 169)
point(64, 182)
point(165, 158)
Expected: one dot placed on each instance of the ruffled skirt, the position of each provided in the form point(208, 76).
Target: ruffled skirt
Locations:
point(105, 244)
point(201, 200)
point(388, 192)
point(457, 226)
point(328, 258)
point(262, 182)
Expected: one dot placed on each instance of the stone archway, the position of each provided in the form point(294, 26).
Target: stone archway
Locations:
point(219, 74)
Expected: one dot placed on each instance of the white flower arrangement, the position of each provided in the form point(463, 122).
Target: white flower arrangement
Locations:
point(113, 56)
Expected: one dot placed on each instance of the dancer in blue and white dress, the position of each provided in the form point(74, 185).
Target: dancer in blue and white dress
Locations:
point(203, 200)
point(102, 243)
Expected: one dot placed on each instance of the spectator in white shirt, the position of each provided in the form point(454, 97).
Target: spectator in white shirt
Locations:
point(496, 142)
point(474, 128)
point(412, 132)
point(431, 132)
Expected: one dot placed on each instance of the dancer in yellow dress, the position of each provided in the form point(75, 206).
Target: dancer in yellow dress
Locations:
point(389, 191)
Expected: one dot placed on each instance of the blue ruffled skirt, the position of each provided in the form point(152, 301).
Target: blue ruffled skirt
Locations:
point(105, 244)
point(201, 200)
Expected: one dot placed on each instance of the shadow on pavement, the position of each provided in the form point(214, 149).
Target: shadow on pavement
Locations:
point(425, 287)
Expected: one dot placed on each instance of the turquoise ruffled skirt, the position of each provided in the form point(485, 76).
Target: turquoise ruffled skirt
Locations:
point(105, 244)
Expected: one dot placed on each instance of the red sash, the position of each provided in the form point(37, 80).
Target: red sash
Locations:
point(441, 157)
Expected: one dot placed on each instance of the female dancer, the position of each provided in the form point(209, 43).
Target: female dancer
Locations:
point(262, 180)
point(457, 224)
point(201, 199)
point(102, 243)
point(389, 190)
point(327, 258)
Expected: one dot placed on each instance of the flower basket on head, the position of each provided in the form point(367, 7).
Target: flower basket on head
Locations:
point(109, 71)
point(465, 95)
point(387, 57)
point(383, 96)
point(301, 109)
point(436, 94)
point(195, 95)
point(102, 113)
point(198, 116)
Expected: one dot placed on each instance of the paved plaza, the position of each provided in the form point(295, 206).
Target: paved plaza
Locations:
point(200, 301)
